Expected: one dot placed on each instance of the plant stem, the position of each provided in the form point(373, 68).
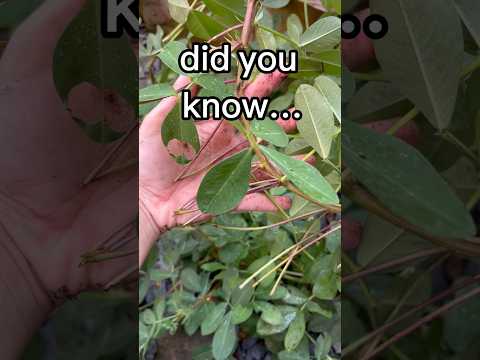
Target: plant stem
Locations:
point(471, 68)
point(350, 348)
point(359, 195)
point(225, 32)
point(404, 299)
point(403, 121)
point(248, 23)
point(447, 135)
point(366, 291)
point(305, 13)
point(474, 199)
point(265, 227)
point(425, 320)
point(389, 264)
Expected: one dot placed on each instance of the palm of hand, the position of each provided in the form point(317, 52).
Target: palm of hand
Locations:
point(45, 158)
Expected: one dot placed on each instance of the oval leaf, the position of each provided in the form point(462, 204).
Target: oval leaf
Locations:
point(183, 130)
point(156, 92)
point(429, 38)
point(317, 124)
point(213, 319)
point(225, 339)
point(225, 185)
point(269, 130)
point(304, 176)
point(332, 94)
point(405, 182)
point(295, 332)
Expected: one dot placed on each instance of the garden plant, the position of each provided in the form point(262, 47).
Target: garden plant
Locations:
point(410, 184)
point(252, 255)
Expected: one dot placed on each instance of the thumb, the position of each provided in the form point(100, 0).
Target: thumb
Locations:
point(36, 38)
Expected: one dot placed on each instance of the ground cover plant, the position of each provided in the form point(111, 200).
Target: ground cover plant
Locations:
point(261, 285)
point(410, 186)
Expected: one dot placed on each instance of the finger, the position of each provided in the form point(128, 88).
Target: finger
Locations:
point(358, 54)
point(36, 38)
point(265, 84)
point(260, 202)
point(289, 125)
point(152, 123)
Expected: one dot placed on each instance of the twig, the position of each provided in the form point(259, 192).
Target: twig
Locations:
point(297, 250)
point(298, 217)
point(389, 264)
point(225, 32)
point(425, 320)
point(197, 155)
point(248, 23)
point(286, 251)
point(359, 195)
point(109, 155)
point(403, 299)
point(444, 294)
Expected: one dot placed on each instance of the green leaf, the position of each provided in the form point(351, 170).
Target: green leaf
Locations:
point(461, 323)
point(213, 319)
point(174, 127)
point(405, 182)
point(295, 332)
point(241, 313)
point(203, 26)
point(275, 4)
point(99, 131)
point(269, 130)
point(196, 318)
point(323, 34)
point(190, 280)
point(170, 55)
point(202, 353)
point(213, 266)
point(144, 109)
point(225, 339)
point(257, 264)
point(229, 11)
point(225, 185)
point(304, 176)
point(156, 92)
point(81, 56)
point(468, 11)
point(148, 316)
point(270, 314)
point(294, 27)
point(432, 54)
point(266, 39)
point(14, 12)
point(332, 94)
point(383, 241)
point(179, 10)
point(288, 315)
point(233, 253)
point(214, 85)
point(317, 124)
point(323, 346)
point(377, 99)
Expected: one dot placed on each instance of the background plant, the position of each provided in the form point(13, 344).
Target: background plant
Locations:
point(412, 274)
point(277, 276)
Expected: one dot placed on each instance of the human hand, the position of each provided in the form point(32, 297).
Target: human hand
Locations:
point(162, 194)
point(49, 218)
